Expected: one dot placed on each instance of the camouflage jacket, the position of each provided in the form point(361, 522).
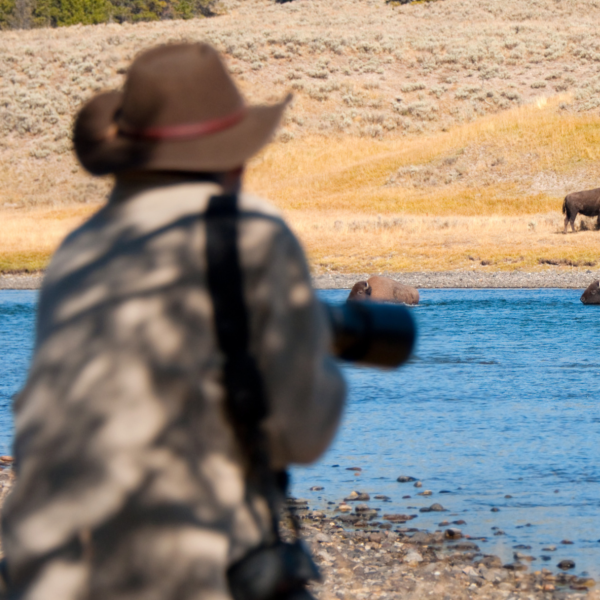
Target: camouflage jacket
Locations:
point(130, 480)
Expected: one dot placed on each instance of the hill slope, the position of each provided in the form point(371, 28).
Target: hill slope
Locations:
point(409, 110)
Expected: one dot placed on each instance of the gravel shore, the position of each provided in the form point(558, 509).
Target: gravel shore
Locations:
point(470, 279)
point(559, 278)
point(21, 282)
point(364, 559)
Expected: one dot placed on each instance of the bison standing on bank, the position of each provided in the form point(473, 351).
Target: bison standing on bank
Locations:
point(587, 203)
point(384, 289)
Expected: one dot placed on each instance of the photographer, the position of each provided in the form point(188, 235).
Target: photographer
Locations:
point(181, 356)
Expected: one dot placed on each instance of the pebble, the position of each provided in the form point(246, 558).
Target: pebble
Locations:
point(453, 534)
point(582, 583)
point(399, 518)
point(521, 556)
point(425, 493)
point(298, 502)
point(516, 566)
point(413, 557)
point(405, 479)
point(382, 497)
point(566, 564)
point(549, 549)
point(357, 496)
point(491, 561)
point(466, 546)
point(353, 469)
point(418, 484)
point(566, 542)
point(316, 488)
point(495, 509)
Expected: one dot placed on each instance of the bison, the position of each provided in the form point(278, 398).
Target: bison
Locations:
point(587, 203)
point(384, 289)
point(592, 293)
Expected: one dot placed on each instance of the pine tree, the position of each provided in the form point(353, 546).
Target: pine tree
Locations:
point(23, 14)
point(7, 11)
point(187, 9)
point(57, 13)
point(137, 10)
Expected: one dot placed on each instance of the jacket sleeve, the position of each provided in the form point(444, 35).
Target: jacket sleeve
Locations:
point(304, 386)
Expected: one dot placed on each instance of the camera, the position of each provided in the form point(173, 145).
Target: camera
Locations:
point(372, 333)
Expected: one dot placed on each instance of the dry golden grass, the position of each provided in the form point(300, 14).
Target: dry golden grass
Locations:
point(349, 242)
point(30, 236)
point(519, 162)
point(486, 195)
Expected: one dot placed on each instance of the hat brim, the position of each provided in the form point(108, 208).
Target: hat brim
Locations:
point(221, 151)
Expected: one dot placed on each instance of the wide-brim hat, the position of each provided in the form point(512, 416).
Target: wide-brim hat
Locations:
point(179, 110)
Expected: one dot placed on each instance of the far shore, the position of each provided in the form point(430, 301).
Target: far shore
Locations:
point(558, 278)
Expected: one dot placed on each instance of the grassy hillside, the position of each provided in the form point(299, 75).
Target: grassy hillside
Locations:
point(424, 136)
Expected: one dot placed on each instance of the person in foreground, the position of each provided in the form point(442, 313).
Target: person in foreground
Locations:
point(161, 320)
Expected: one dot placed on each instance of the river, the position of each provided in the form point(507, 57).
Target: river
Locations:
point(498, 407)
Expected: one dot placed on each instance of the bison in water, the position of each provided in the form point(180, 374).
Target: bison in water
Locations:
point(587, 203)
point(592, 293)
point(384, 290)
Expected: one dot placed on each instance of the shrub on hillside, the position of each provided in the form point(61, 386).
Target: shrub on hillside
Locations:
point(24, 14)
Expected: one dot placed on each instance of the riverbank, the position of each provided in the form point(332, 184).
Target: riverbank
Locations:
point(571, 279)
point(362, 559)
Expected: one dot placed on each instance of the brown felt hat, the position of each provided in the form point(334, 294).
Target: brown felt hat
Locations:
point(179, 110)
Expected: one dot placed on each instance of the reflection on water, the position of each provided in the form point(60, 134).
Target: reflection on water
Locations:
point(500, 400)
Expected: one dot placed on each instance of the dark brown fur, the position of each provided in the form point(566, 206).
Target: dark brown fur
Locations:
point(591, 294)
point(586, 203)
point(384, 289)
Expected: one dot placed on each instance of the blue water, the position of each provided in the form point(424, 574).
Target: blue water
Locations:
point(17, 329)
point(500, 398)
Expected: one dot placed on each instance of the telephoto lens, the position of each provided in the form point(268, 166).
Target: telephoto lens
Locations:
point(372, 333)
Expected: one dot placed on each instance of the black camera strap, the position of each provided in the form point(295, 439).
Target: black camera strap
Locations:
point(277, 570)
point(246, 397)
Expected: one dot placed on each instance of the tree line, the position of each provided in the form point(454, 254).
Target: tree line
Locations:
point(26, 14)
